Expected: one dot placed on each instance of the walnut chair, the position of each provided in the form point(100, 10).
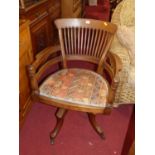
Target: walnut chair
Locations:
point(76, 88)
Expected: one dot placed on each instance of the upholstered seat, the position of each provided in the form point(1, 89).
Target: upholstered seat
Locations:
point(76, 86)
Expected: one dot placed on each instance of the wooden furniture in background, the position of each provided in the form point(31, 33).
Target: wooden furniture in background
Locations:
point(41, 14)
point(81, 40)
point(54, 13)
point(25, 58)
point(71, 8)
point(113, 4)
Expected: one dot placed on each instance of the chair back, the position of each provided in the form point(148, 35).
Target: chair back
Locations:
point(85, 39)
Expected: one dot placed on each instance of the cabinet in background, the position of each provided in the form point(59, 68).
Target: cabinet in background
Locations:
point(54, 13)
point(71, 8)
point(41, 14)
point(40, 35)
point(25, 58)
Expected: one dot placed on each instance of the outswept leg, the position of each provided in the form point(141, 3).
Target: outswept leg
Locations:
point(97, 128)
point(60, 113)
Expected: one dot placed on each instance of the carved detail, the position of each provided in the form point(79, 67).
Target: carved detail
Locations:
point(33, 80)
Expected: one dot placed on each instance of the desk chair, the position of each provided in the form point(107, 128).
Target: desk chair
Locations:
point(76, 88)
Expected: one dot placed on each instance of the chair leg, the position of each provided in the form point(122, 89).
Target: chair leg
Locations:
point(94, 124)
point(60, 113)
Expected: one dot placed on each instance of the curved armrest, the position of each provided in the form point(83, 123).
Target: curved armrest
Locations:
point(48, 50)
point(113, 66)
point(115, 62)
point(44, 54)
point(36, 69)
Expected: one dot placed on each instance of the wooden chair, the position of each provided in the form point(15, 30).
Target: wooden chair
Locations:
point(74, 88)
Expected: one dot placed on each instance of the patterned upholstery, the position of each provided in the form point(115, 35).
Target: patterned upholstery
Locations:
point(77, 86)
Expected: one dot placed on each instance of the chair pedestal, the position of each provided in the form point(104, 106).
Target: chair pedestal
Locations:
point(60, 113)
point(94, 124)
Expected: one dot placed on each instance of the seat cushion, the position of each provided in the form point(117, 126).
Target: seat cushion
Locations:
point(76, 86)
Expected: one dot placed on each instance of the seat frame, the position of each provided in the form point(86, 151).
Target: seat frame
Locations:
point(59, 55)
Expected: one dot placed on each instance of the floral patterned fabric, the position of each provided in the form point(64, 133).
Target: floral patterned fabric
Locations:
point(78, 86)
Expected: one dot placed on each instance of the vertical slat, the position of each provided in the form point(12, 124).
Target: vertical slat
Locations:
point(71, 31)
point(75, 42)
point(62, 49)
point(94, 43)
point(110, 38)
point(65, 41)
point(96, 50)
point(88, 41)
point(85, 41)
point(68, 40)
point(78, 41)
point(102, 42)
point(92, 39)
point(81, 50)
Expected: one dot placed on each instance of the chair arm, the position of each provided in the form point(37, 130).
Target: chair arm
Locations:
point(44, 54)
point(40, 60)
point(50, 49)
point(115, 63)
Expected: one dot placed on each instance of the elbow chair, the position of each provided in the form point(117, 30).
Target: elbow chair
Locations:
point(76, 88)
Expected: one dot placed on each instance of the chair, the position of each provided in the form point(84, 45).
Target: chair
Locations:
point(76, 88)
point(123, 46)
point(101, 11)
